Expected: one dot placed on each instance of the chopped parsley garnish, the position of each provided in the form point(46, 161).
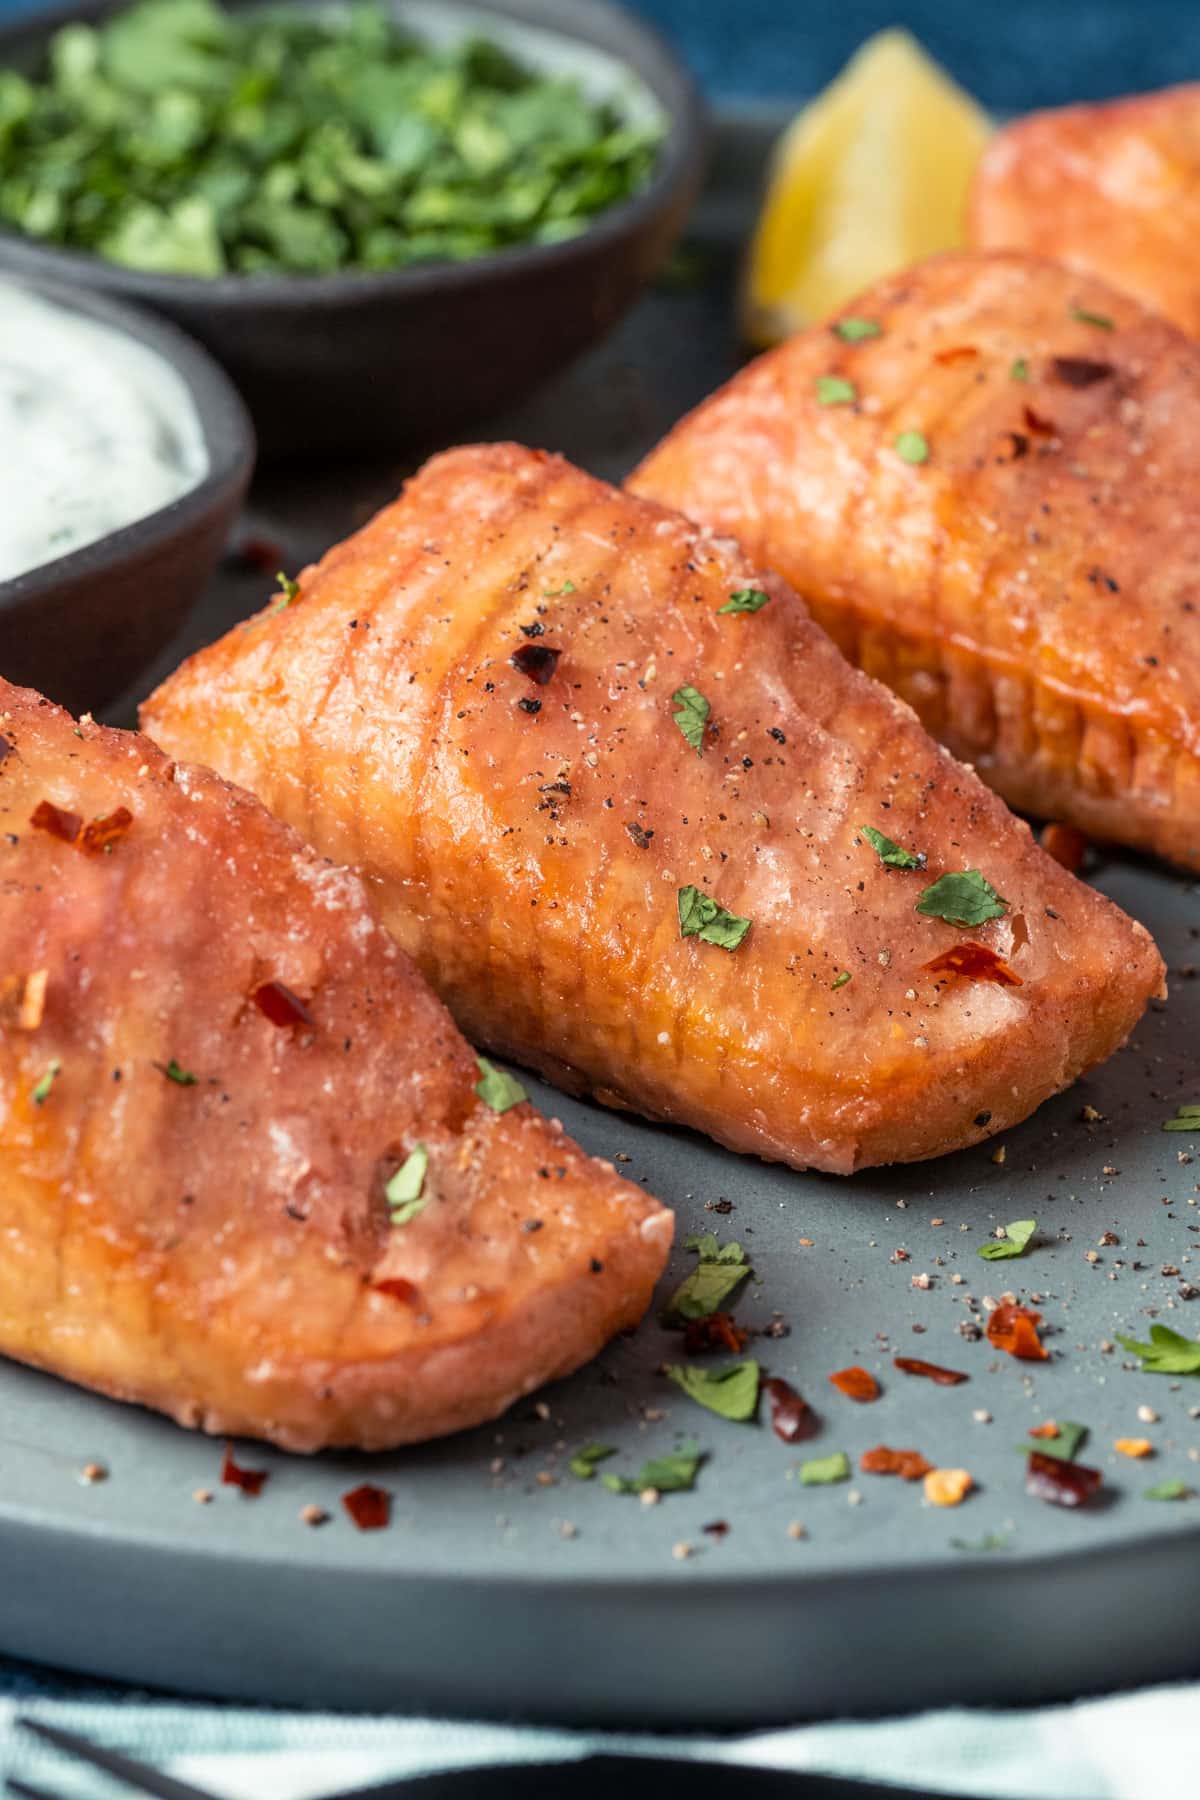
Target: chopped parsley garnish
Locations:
point(731, 1393)
point(833, 390)
point(1173, 1489)
point(671, 1474)
point(1167, 1353)
point(700, 916)
point(718, 1272)
point(558, 593)
point(288, 589)
point(995, 1540)
point(745, 600)
point(1085, 317)
point(1019, 371)
point(853, 331)
point(583, 1464)
point(912, 447)
point(891, 853)
point(1070, 1439)
point(41, 1092)
point(177, 1073)
point(692, 716)
point(962, 899)
point(840, 981)
point(1013, 1243)
point(496, 1088)
point(823, 1471)
point(405, 1191)
point(1187, 1118)
point(180, 138)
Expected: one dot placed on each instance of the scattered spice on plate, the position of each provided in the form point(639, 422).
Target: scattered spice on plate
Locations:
point(910, 1465)
point(251, 1481)
point(1016, 1240)
point(856, 1383)
point(823, 1471)
point(1136, 1447)
point(947, 1487)
point(1060, 1482)
point(91, 1473)
point(1014, 1328)
point(313, 1515)
point(369, 1506)
point(731, 1393)
point(973, 962)
point(913, 1365)
point(278, 1004)
point(714, 1331)
point(792, 1418)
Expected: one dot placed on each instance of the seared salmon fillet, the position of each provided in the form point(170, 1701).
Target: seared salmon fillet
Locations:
point(214, 1062)
point(1112, 189)
point(608, 783)
point(995, 513)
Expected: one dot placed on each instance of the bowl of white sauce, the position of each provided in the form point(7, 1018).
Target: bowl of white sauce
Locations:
point(125, 455)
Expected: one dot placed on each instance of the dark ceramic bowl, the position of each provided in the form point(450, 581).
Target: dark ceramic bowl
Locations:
point(355, 363)
point(84, 626)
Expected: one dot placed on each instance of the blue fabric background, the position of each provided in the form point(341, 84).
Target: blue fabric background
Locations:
point(1013, 54)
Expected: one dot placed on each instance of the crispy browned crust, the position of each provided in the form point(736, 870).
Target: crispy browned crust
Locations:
point(530, 859)
point(1111, 189)
point(1033, 588)
point(218, 1247)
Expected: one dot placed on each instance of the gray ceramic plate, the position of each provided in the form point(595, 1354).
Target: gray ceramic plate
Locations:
point(475, 1599)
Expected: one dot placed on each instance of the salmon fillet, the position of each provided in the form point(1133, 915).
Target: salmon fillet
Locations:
point(475, 701)
point(213, 1061)
point(1111, 189)
point(1031, 586)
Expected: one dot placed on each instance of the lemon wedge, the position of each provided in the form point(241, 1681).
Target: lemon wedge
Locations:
point(871, 176)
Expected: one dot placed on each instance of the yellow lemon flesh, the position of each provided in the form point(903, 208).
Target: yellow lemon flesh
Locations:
point(870, 177)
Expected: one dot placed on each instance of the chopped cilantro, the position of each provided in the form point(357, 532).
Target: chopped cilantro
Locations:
point(175, 1072)
point(716, 1275)
point(288, 589)
point(893, 854)
point(1019, 371)
point(731, 1393)
point(1173, 1489)
point(912, 447)
point(994, 1540)
point(823, 1471)
point(962, 899)
point(745, 600)
point(405, 1191)
point(1187, 1118)
point(700, 916)
point(41, 1092)
point(558, 593)
point(496, 1088)
point(671, 1474)
point(692, 716)
point(839, 981)
point(1167, 1353)
point(1085, 317)
point(833, 390)
point(1066, 1446)
point(1016, 1237)
point(583, 1464)
point(852, 331)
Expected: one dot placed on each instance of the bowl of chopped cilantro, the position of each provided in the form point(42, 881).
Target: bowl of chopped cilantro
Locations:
point(387, 221)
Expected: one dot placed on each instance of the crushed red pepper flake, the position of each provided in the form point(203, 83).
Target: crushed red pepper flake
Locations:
point(1014, 1328)
point(956, 353)
point(369, 1506)
point(974, 962)
point(397, 1288)
point(1034, 422)
point(910, 1465)
point(251, 1481)
point(99, 835)
point(1066, 845)
point(715, 1331)
point(1079, 371)
point(278, 1004)
point(792, 1418)
point(1061, 1483)
point(1048, 1429)
point(913, 1365)
point(56, 820)
point(856, 1383)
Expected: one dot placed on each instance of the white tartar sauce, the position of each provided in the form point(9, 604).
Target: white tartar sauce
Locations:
point(96, 430)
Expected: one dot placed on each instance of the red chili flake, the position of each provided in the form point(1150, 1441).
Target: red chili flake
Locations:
point(1061, 1483)
point(1014, 1328)
point(912, 1365)
point(48, 817)
point(251, 1481)
point(280, 1005)
point(370, 1507)
point(957, 353)
point(1018, 445)
point(1035, 423)
point(1079, 371)
point(718, 1529)
point(715, 1331)
point(974, 962)
point(538, 661)
point(857, 1384)
point(792, 1418)
point(396, 1288)
point(1066, 845)
point(910, 1465)
point(99, 835)
point(1047, 1430)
